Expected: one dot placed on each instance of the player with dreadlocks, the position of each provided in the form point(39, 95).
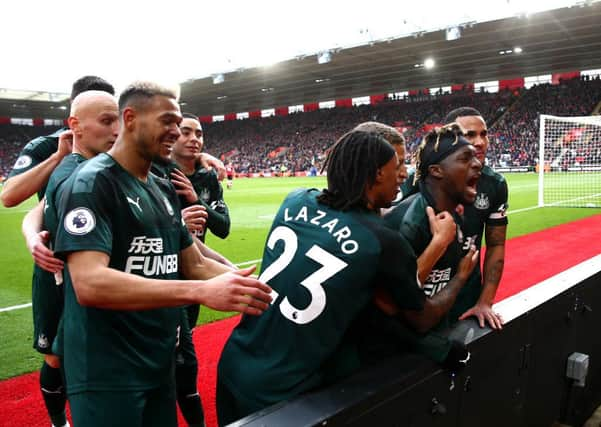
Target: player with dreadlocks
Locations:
point(486, 217)
point(325, 252)
point(447, 171)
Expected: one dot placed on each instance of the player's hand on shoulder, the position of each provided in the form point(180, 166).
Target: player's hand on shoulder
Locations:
point(183, 186)
point(43, 256)
point(485, 314)
point(65, 143)
point(442, 226)
point(210, 162)
point(237, 291)
point(195, 217)
point(468, 262)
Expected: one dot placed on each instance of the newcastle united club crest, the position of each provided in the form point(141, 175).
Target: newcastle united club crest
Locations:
point(482, 201)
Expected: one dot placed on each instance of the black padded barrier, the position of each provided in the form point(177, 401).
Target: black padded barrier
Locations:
point(516, 377)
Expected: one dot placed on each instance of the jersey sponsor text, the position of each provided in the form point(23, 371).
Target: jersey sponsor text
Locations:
point(436, 281)
point(154, 265)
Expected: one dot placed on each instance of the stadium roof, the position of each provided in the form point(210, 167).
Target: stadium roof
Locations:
point(555, 41)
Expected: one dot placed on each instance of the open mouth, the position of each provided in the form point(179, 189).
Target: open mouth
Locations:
point(471, 185)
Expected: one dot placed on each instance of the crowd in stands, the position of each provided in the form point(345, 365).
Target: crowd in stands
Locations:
point(514, 138)
point(512, 116)
point(299, 141)
point(12, 140)
point(306, 136)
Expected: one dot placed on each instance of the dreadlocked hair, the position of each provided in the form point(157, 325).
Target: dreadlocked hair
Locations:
point(352, 165)
point(433, 138)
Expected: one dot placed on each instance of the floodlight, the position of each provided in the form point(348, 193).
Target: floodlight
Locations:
point(218, 78)
point(429, 63)
point(453, 33)
point(324, 57)
point(517, 49)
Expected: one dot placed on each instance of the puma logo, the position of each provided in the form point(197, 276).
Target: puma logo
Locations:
point(136, 203)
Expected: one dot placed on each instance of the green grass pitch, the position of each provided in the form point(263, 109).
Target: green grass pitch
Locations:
point(252, 202)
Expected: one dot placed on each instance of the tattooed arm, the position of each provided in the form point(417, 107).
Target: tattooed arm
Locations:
point(494, 261)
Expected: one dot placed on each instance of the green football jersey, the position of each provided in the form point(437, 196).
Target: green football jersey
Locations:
point(104, 208)
point(210, 195)
point(53, 191)
point(411, 220)
point(47, 296)
point(163, 170)
point(490, 209)
point(35, 152)
point(322, 265)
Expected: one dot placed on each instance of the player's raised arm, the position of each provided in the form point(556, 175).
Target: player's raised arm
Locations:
point(443, 230)
point(436, 307)
point(20, 187)
point(211, 162)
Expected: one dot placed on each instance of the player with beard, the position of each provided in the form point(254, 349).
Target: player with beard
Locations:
point(325, 254)
point(447, 172)
point(126, 249)
point(487, 217)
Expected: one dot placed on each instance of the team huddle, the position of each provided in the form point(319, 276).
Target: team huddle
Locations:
point(381, 261)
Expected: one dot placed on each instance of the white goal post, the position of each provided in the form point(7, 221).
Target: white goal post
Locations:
point(569, 161)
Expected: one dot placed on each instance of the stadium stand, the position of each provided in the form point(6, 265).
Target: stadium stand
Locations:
point(296, 142)
point(516, 133)
point(512, 116)
point(12, 140)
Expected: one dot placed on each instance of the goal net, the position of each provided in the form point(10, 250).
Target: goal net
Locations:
point(569, 163)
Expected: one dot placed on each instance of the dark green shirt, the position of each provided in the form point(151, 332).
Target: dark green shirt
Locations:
point(322, 265)
point(35, 152)
point(53, 192)
point(411, 220)
point(104, 208)
point(163, 170)
point(210, 195)
point(490, 209)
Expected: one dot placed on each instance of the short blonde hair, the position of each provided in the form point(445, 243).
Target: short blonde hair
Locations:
point(140, 92)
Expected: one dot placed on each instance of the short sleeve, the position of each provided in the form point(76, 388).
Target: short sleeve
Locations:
point(84, 220)
point(498, 212)
point(34, 153)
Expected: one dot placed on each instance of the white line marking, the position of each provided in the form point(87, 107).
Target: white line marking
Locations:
point(561, 202)
point(523, 210)
point(15, 307)
point(254, 261)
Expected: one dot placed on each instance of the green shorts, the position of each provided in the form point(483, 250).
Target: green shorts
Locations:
point(47, 305)
point(149, 408)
